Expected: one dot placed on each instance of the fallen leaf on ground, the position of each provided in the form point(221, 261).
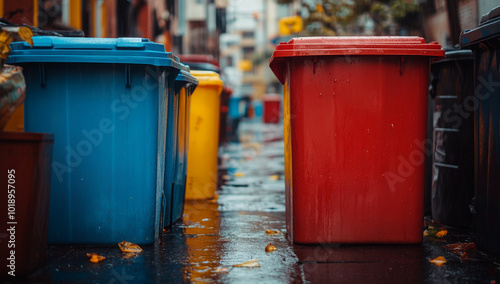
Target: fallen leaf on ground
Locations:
point(273, 232)
point(249, 263)
point(274, 177)
point(95, 258)
point(435, 231)
point(239, 174)
point(439, 261)
point(442, 233)
point(464, 250)
point(129, 247)
point(270, 248)
point(222, 270)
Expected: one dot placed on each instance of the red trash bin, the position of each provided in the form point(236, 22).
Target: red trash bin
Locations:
point(271, 105)
point(355, 128)
point(224, 109)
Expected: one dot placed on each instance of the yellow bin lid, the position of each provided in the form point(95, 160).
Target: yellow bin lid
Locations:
point(208, 79)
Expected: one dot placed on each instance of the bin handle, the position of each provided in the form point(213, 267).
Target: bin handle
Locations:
point(130, 43)
point(41, 70)
point(127, 76)
point(163, 207)
point(401, 67)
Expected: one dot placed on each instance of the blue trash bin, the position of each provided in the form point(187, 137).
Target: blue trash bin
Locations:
point(258, 109)
point(105, 102)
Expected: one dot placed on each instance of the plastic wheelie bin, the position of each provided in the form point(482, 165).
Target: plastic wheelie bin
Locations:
point(453, 150)
point(224, 110)
point(105, 102)
point(355, 117)
point(200, 62)
point(201, 180)
point(25, 166)
point(485, 104)
point(185, 84)
point(272, 108)
point(203, 62)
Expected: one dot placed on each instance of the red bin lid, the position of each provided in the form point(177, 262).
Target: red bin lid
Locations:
point(347, 45)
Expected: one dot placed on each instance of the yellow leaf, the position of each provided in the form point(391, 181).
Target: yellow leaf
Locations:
point(129, 247)
point(249, 263)
point(273, 232)
point(95, 258)
point(26, 34)
point(239, 174)
point(441, 233)
point(439, 261)
point(270, 248)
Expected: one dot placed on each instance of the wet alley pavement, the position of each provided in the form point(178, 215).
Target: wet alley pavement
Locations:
point(216, 234)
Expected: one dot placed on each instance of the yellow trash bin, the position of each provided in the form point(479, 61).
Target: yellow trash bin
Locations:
point(201, 180)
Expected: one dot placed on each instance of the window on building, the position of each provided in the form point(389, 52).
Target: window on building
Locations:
point(248, 52)
point(248, 34)
point(229, 61)
point(431, 4)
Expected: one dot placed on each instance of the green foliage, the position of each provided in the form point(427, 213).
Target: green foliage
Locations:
point(401, 8)
point(328, 17)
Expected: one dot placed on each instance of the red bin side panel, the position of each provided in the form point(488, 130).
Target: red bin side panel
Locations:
point(358, 124)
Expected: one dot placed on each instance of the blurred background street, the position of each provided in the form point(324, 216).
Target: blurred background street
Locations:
point(233, 228)
point(237, 225)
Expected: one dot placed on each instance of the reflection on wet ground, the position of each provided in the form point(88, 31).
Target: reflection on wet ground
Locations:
point(216, 234)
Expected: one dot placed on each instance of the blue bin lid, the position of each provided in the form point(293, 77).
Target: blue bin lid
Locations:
point(185, 79)
point(185, 76)
point(488, 28)
point(92, 50)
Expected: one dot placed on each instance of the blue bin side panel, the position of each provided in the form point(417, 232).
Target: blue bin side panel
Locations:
point(170, 155)
point(106, 177)
point(180, 178)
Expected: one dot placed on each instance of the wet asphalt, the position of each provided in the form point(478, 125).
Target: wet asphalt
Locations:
point(216, 234)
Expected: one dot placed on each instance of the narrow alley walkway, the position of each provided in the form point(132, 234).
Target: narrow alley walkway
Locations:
point(217, 234)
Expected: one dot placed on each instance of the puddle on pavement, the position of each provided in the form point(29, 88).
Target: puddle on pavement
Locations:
point(201, 220)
